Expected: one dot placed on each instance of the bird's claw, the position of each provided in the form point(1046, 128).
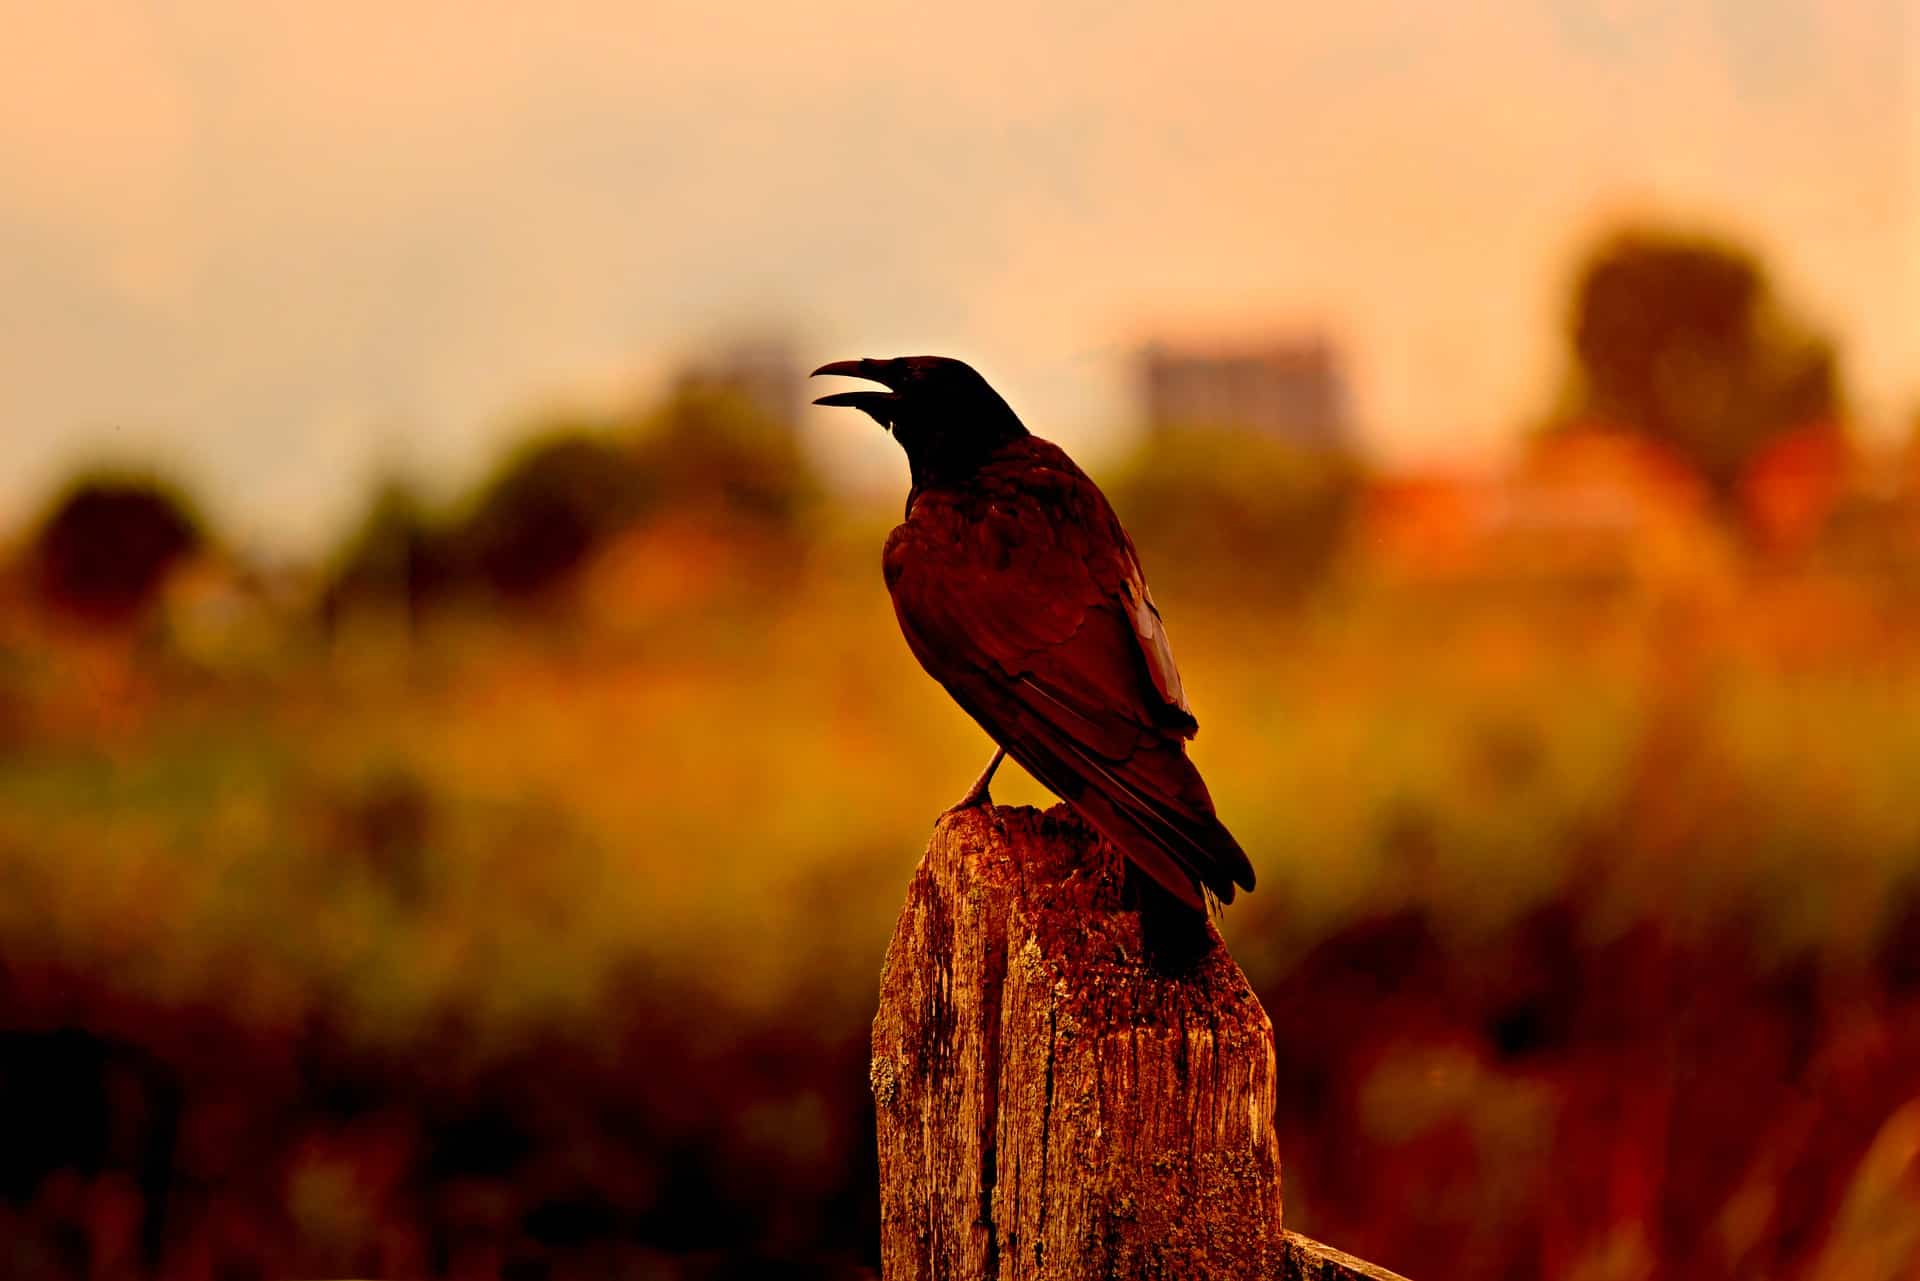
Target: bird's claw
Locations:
point(978, 795)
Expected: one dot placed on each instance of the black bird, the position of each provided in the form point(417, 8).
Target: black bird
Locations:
point(1018, 591)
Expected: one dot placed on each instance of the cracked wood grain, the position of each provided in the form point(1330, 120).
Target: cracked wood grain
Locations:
point(1049, 1105)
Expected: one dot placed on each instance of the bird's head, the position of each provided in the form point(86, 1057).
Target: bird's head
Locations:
point(943, 413)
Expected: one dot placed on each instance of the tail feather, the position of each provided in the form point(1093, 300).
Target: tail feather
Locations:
point(1153, 806)
point(1173, 936)
point(1200, 842)
point(1180, 859)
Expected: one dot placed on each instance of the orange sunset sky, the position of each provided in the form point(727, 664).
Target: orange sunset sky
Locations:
point(278, 248)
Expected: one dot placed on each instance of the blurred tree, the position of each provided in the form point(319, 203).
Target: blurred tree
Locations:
point(399, 553)
point(713, 449)
point(1681, 338)
point(106, 544)
point(577, 482)
point(550, 506)
point(1241, 503)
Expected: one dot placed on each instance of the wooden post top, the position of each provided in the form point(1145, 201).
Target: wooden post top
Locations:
point(1049, 1104)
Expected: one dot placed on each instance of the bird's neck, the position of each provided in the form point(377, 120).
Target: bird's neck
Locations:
point(940, 459)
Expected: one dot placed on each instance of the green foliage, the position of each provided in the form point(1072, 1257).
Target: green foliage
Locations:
point(1205, 501)
point(105, 545)
point(1682, 338)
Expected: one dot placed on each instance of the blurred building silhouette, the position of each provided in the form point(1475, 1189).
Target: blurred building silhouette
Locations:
point(1294, 389)
point(762, 372)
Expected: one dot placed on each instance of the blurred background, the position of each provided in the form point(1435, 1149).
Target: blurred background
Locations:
point(459, 769)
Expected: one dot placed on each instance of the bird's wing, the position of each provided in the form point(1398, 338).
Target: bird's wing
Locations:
point(1151, 633)
point(1041, 628)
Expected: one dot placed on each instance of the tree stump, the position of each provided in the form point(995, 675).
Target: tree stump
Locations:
point(1049, 1105)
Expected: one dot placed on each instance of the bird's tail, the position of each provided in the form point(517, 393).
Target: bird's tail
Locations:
point(1166, 824)
point(1174, 937)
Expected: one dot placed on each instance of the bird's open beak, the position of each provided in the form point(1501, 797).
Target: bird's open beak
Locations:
point(877, 404)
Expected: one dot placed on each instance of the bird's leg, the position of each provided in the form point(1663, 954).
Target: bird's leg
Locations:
point(978, 794)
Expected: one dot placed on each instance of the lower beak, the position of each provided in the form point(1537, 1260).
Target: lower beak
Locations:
point(877, 405)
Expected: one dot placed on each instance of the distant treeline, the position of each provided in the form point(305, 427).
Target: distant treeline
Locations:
point(1199, 496)
point(570, 487)
point(104, 546)
point(1676, 336)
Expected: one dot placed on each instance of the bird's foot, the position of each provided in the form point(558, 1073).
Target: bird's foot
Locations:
point(976, 798)
point(978, 794)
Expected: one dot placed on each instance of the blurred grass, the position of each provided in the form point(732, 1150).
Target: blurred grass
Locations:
point(481, 923)
point(728, 795)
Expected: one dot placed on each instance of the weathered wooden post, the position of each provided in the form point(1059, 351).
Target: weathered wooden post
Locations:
point(1049, 1105)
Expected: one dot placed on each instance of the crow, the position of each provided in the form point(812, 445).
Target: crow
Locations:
point(1018, 590)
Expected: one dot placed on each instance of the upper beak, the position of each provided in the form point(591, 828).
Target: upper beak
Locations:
point(851, 369)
